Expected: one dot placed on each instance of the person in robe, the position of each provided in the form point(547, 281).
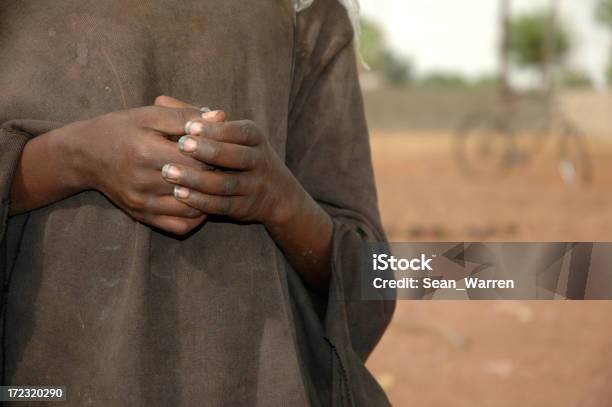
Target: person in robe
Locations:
point(156, 253)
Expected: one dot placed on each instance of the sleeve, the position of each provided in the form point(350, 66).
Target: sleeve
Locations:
point(12, 142)
point(13, 137)
point(328, 151)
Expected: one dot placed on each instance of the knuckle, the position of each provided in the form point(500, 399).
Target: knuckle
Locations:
point(185, 115)
point(267, 166)
point(247, 158)
point(230, 185)
point(135, 201)
point(249, 131)
point(226, 206)
point(178, 117)
point(141, 217)
point(241, 212)
point(140, 153)
point(259, 188)
point(138, 185)
point(160, 100)
point(202, 203)
point(182, 228)
point(193, 213)
point(172, 117)
point(211, 150)
point(147, 116)
point(247, 208)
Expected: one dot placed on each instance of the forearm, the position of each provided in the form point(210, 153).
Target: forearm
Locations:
point(47, 172)
point(304, 233)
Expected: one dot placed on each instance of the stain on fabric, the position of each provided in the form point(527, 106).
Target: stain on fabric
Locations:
point(82, 53)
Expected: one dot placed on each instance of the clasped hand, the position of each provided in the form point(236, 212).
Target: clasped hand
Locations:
point(219, 168)
point(247, 180)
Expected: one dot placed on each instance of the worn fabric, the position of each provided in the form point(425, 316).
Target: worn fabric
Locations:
point(123, 315)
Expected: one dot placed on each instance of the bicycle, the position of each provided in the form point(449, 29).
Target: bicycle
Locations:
point(489, 144)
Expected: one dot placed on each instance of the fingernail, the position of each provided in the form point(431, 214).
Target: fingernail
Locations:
point(187, 129)
point(210, 115)
point(187, 144)
point(193, 128)
point(171, 172)
point(181, 192)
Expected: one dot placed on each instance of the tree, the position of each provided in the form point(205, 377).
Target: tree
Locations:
point(397, 70)
point(536, 37)
point(372, 45)
point(576, 79)
point(504, 44)
point(379, 57)
point(603, 14)
point(444, 80)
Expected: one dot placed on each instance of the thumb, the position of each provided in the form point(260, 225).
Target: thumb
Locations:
point(167, 101)
point(216, 116)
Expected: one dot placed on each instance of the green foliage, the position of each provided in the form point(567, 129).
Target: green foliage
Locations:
point(444, 80)
point(576, 79)
point(609, 73)
point(603, 13)
point(372, 45)
point(487, 82)
point(397, 70)
point(528, 39)
point(376, 54)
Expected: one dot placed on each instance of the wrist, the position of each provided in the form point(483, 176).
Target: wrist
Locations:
point(288, 206)
point(67, 143)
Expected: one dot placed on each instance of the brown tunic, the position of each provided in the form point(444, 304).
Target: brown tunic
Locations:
point(122, 314)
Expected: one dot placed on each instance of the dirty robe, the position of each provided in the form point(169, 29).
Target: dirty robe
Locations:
point(124, 315)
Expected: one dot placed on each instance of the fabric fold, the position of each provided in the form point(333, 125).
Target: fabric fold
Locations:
point(328, 151)
point(12, 143)
point(14, 135)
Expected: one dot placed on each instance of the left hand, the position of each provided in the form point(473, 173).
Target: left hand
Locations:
point(254, 185)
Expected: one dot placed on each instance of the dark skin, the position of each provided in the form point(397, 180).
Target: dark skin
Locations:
point(170, 186)
point(98, 154)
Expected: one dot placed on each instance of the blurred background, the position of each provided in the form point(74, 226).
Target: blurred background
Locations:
point(491, 120)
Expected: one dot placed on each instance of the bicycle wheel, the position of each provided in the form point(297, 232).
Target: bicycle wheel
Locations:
point(484, 147)
point(574, 157)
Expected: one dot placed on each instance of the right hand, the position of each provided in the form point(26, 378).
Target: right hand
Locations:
point(121, 154)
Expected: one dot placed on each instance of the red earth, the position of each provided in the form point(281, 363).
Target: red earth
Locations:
point(492, 354)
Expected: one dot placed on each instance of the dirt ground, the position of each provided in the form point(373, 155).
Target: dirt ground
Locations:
point(498, 354)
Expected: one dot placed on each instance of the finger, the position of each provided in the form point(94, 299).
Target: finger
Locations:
point(177, 226)
point(160, 151)
point(243, 132)
point(226, 155)
point(210, 116)
point(168, 101)
point(196, 127)
point(169, 206)
point(217, 116)
point(152, 184)
point(169, 121)
point(207, 182)
point(210, 204)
